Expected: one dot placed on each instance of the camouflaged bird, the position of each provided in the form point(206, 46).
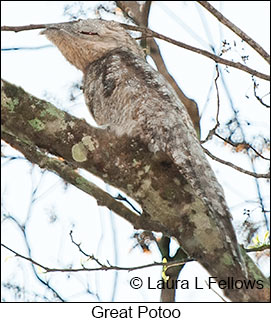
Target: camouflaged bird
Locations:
point(125, 94)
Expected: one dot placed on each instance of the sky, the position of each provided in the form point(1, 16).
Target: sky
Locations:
point(56, 209)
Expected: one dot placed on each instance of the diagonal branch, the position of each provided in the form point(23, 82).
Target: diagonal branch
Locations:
point(244, 145)
point(152, 180)
point(68, 173)
point(236, 30)
point(239, 169)
point(149, 33)
point(81, 146)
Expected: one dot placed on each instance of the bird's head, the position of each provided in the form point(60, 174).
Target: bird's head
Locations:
point(84, 41)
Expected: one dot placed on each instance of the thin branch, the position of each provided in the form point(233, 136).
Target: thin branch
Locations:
point(23, 230)
point(235, 29)
point(78, 245)
point(258, 98)
point(212, 131)
point(110, 267)
point(209, 287)
point(257, 249)
point(101, 268)
point(25, 48)
point(209, 136)
point(26, 27)
point(149, 33)
point(245, 145)
point(217, 98)
point(124, 199)
point(239, 169)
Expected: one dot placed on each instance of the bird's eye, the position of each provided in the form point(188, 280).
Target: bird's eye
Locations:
point(88, 33)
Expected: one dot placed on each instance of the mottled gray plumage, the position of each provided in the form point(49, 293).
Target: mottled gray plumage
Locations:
point(123, 92)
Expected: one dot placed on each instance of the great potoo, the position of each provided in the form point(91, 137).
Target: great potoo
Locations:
point(124, 93)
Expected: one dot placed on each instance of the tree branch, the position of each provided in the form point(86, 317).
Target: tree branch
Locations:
point(17, 29)
point(245, 145)
point(235, 29)
point(239, 169)
point(102, 266)
point(67, 172)
point(152, 180)
point(258, 98)
point(257, 249)
point(149, 33)
point(138, 12)
point(212, 132)
point(77, 143)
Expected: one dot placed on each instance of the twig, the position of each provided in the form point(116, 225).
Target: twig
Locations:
point(208, 285)
point(217, 98)
point(23, 257)
point(235, 29)
point(149, 33)
point(212, 131)
point(257, 249)
point(102, 268)
point(124, 199)
point(239, 169)
point(245, 144)
point(258, 98)
point(78, 245)
point(26, 27)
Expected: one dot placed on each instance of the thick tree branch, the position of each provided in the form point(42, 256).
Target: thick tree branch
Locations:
point(82, 146)
point(152, 180)
point(236, 30)
point(67, 172)
point(138, 12)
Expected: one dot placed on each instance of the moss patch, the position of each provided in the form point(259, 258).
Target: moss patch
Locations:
point(36, 124)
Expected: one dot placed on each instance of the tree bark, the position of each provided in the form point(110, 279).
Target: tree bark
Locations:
point(126, 163)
